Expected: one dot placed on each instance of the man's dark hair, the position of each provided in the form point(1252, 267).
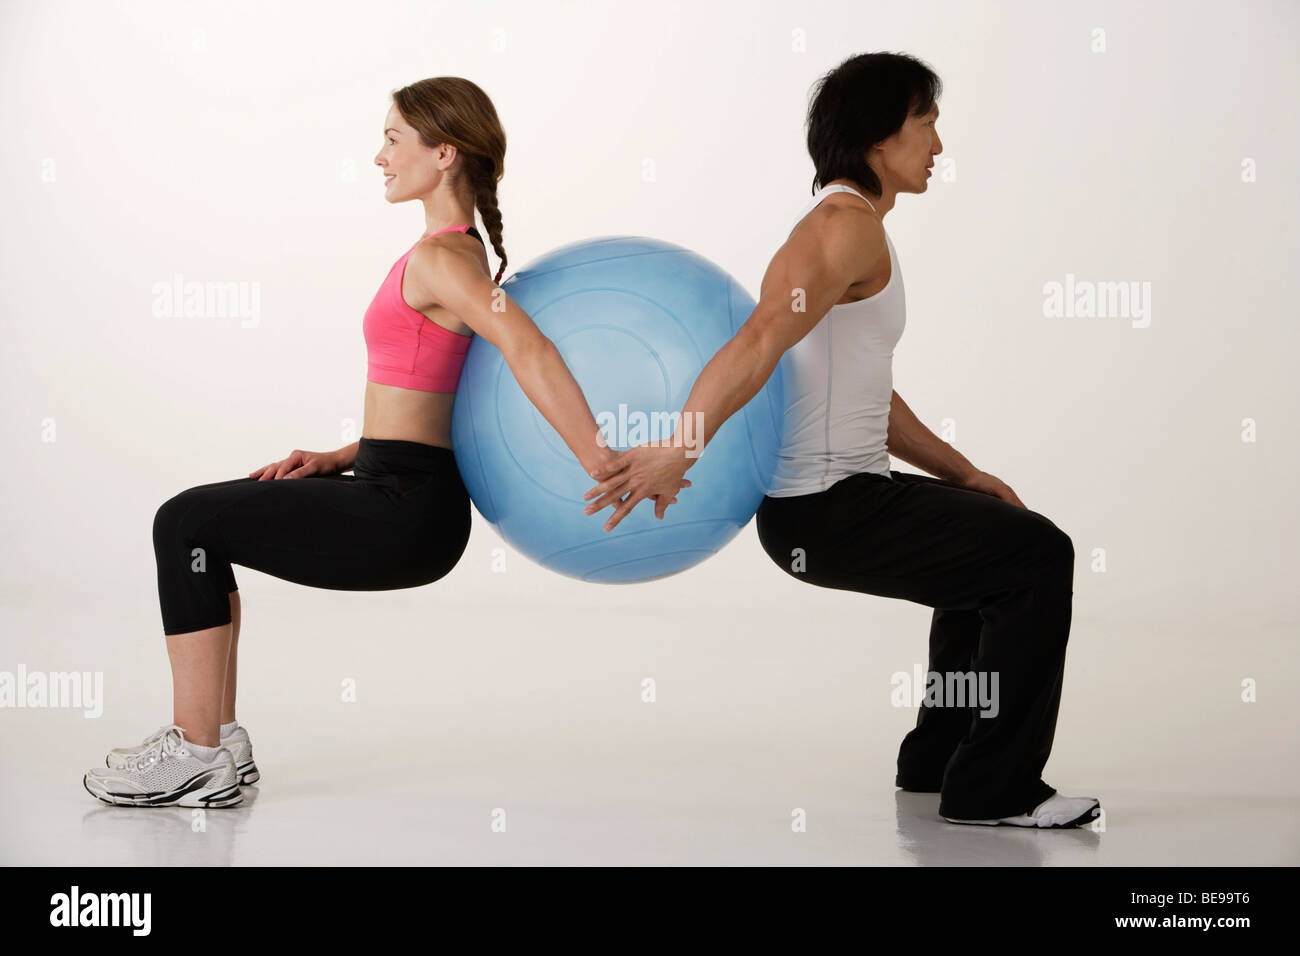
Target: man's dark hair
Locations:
point(861, 102)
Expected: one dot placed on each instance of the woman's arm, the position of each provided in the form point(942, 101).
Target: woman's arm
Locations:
point(440, 275)
point(808, 274)
point(346, 457)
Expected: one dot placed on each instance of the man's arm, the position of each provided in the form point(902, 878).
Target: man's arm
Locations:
point(808, 274)
point(910, 441)
point(821, 258)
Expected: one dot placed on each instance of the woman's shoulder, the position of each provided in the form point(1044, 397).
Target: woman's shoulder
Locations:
point(432, 250)
point(443, 267)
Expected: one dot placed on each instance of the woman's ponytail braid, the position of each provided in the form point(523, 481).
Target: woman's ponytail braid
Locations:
point(484, 180)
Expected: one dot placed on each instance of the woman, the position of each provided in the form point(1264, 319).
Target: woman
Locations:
point(998, 575)
point(402, 519)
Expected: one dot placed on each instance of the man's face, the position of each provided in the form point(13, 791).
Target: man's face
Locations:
point(902, 161)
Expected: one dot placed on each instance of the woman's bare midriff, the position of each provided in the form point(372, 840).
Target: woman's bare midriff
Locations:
point(408, 414)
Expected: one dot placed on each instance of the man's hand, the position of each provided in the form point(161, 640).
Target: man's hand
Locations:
point(990, 485)
point(653, 470)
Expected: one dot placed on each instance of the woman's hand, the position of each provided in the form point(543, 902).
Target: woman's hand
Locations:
point(653, 470)
point(300, 464)
point(983, 481)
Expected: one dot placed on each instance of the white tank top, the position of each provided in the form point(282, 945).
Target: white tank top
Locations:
point(838, 387)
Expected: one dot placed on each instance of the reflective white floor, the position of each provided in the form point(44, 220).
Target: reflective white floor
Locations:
point(537, 720)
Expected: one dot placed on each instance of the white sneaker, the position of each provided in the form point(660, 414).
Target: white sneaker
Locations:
point(118, 757)
point(237, 742)
point(166, 773)
point(1054, 813)
point(241, 748)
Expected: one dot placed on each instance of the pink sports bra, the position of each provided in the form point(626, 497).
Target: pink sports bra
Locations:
point(405, 348)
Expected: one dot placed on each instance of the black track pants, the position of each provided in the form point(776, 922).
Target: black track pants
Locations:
point(401, 520)
point(1000, 579)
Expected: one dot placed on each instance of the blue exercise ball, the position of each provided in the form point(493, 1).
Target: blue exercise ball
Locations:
point(635, 320)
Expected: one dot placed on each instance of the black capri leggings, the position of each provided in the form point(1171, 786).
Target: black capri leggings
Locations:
point(1000, 579)
point(402, 519)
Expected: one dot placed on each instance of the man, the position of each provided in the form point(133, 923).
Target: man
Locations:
point(999, 576)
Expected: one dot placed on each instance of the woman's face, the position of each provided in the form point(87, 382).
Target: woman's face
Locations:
point(410, 168)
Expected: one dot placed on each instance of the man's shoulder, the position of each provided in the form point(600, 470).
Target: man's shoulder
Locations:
point(841, 216)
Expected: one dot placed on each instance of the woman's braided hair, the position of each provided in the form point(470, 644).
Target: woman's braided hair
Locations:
point(451, 109)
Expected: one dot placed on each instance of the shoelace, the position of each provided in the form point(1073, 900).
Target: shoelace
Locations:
point(168, 741)
point(156, 735)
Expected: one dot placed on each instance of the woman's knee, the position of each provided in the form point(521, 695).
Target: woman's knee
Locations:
point(180, 517)
point(167, 520)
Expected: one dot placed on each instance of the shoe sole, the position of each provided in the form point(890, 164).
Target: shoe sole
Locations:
point(214, 798)
point(1086, 817)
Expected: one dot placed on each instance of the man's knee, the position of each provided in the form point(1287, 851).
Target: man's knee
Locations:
point(1051, 546)
point(1057, 547)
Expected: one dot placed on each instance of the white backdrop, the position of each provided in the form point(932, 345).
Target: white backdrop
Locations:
point(1150, 144)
